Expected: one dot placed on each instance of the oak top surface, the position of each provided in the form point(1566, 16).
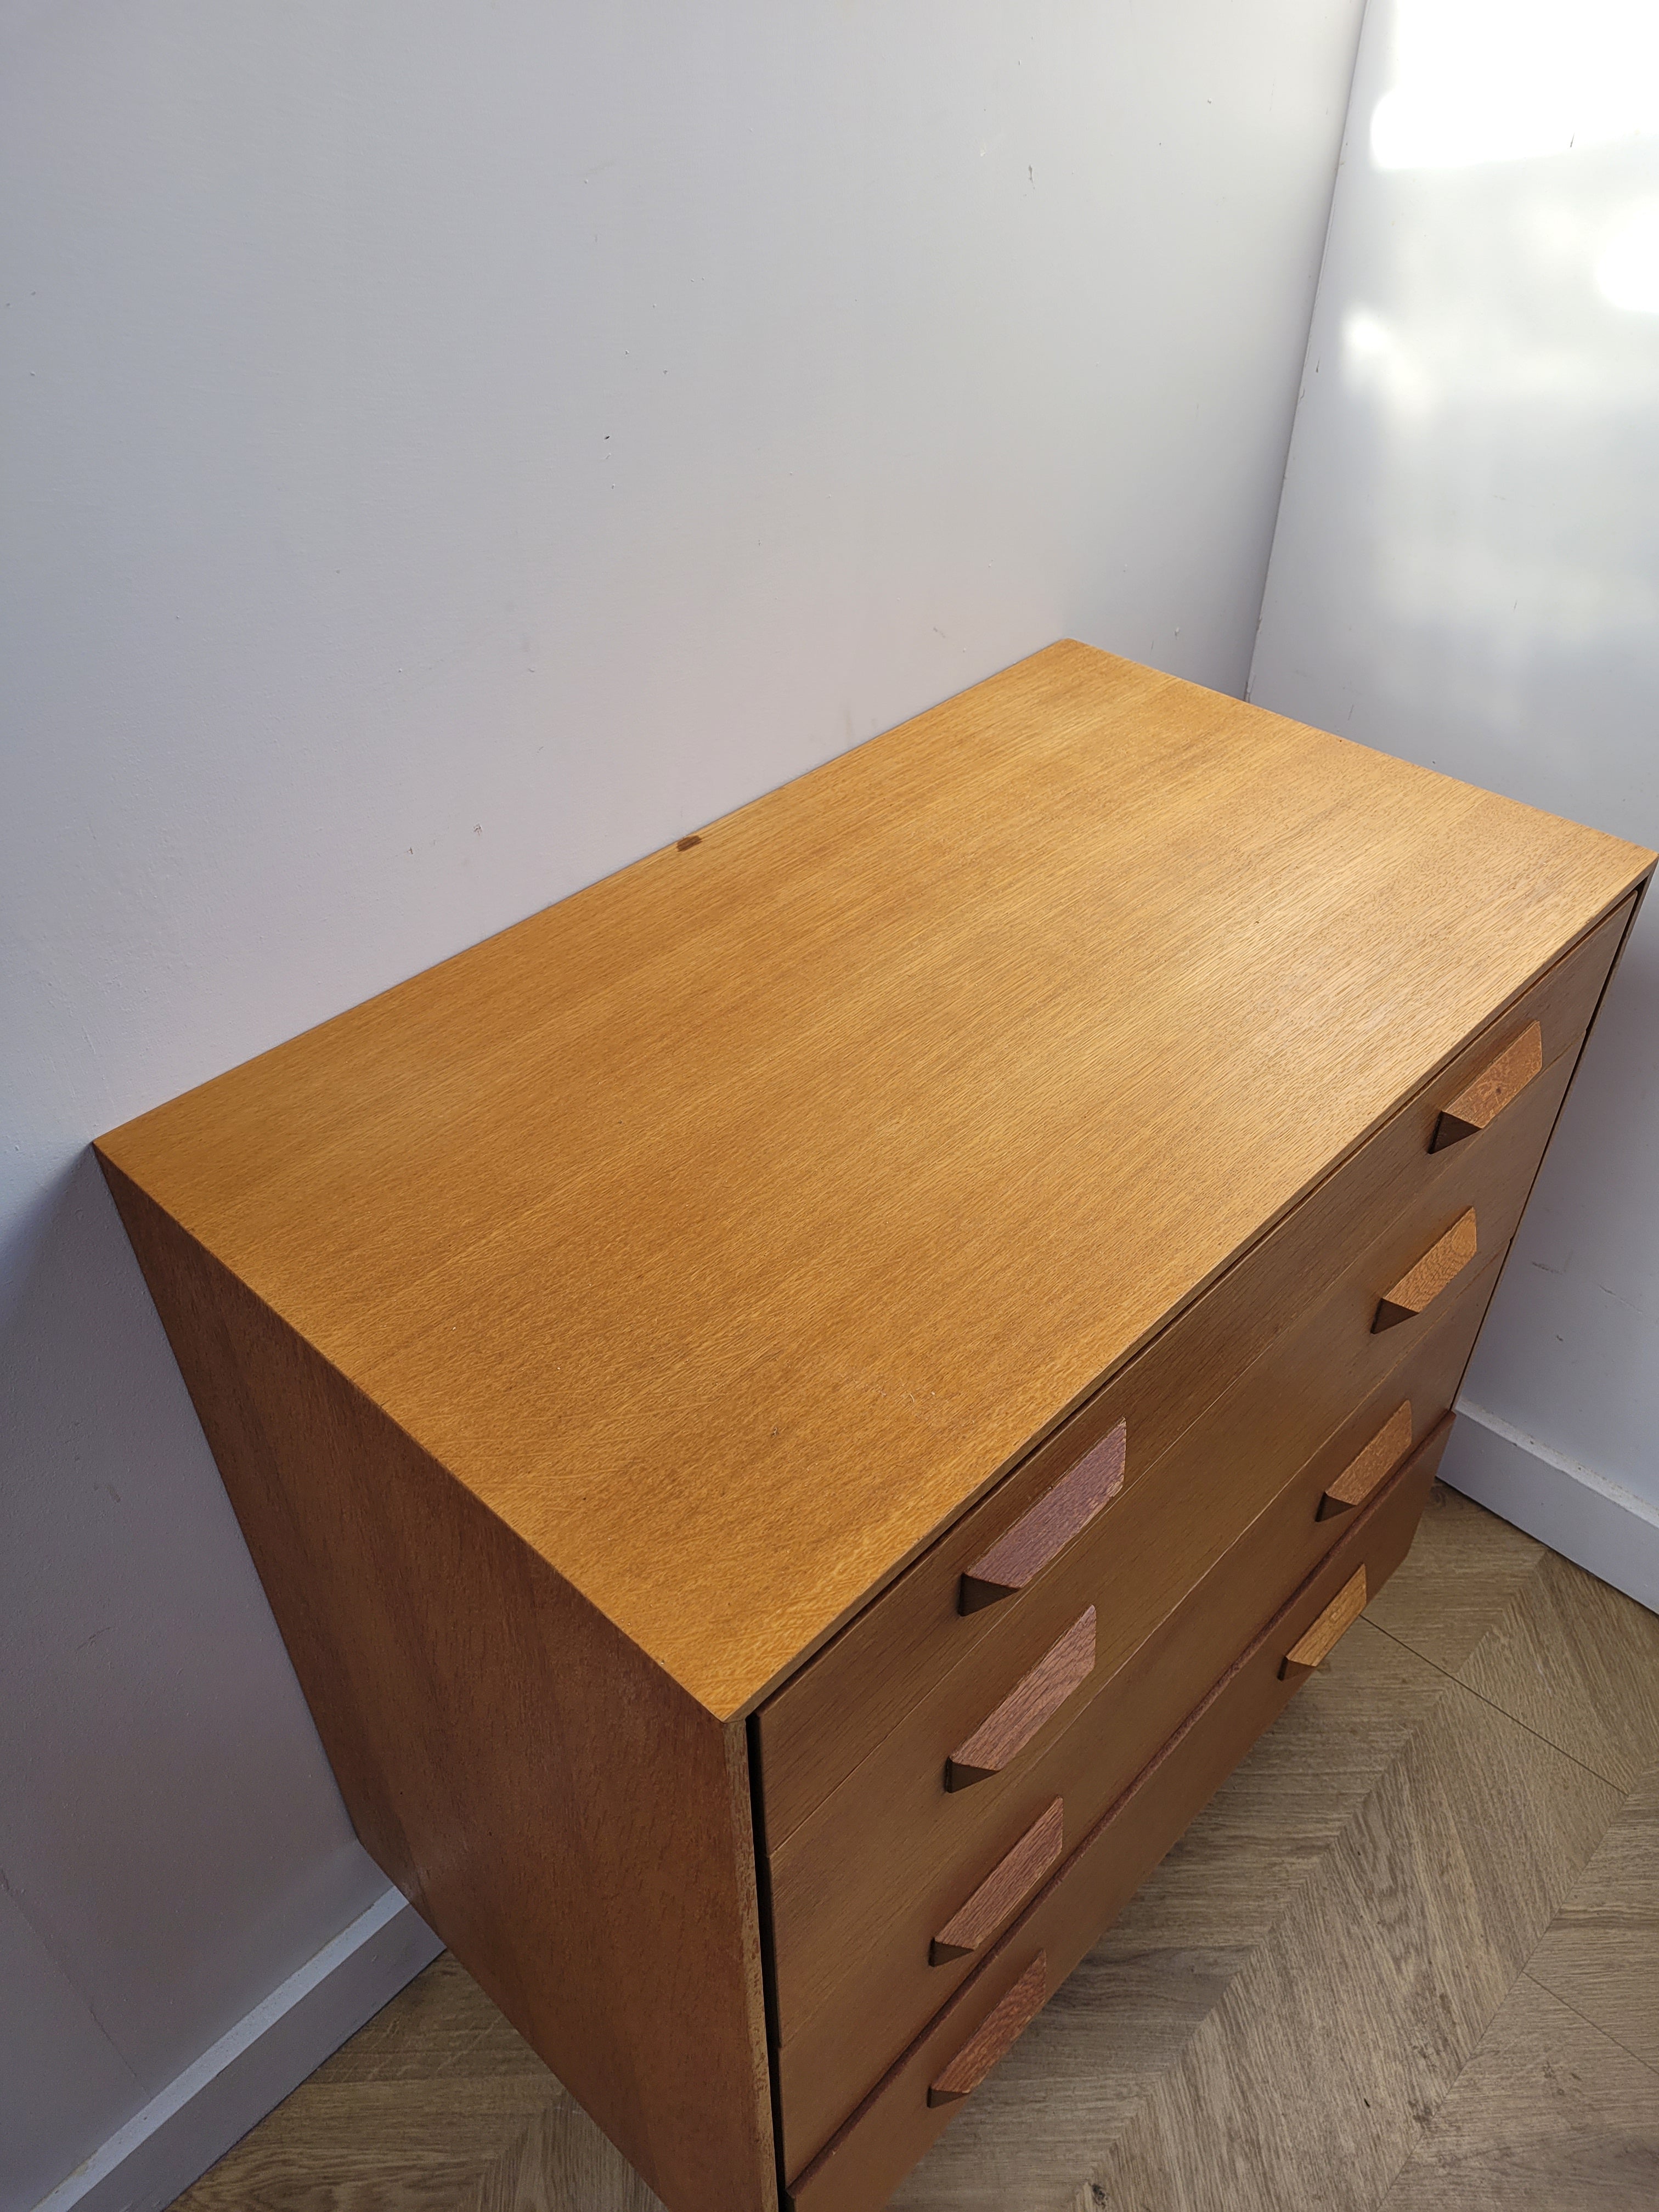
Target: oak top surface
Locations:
point(729, 1225)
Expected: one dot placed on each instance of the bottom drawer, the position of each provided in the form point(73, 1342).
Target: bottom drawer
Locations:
point(861, 2164)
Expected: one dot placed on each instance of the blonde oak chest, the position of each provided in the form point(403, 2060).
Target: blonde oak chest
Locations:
point(799, 1409)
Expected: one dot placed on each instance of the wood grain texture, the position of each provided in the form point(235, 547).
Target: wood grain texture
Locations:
point(587, 1330)
point(1043, 1532)
point(870, 2154)
point(1317, 1643)
point(1230, 1881)
point(572, 1823)
point(1302, 2091)
point(1467, 1568)
point(825, 2067)
point(1408, 1935)
point(1009, 1883)
point(1029, 1707)
point(1578, 1663)
point(994, 2037)
point(1432, 1276)
point(419, 2107)
point(1379, 1207)
point(1367, 1469)
point(438, 2107)
point(1479, 1102)
point(857, 1893)
point(1549, 2115)
point(1102, 2102)
point(1294, 1417)
point(773, 1177)
point(1307, 2087)
point(1600, 1952)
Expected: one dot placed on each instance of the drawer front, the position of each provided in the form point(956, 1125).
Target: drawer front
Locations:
point(863, 2163)
point(839, 1875)
point(820, 1725)
point(915, 1876)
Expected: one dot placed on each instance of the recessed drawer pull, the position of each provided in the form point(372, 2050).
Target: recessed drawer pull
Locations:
point(1364, 1474)
point(1009, 1883)
point(995, 2037)
point(1043, 1532)
point(1481, 1102)
point(1422, 1285)
point(1328, 1632)
point(1032, 1702)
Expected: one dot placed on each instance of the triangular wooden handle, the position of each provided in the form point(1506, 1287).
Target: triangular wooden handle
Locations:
point(1009, 1883)
point(1478, 1103)
point(1420, 1286)
point(1029, 1706)
point(1328, 1632)
point(1043, 1531)
point(1366, 1471)
point(994, 2037)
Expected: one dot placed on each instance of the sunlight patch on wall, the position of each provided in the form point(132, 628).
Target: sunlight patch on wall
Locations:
point(1627, 273)
point(1481, 81)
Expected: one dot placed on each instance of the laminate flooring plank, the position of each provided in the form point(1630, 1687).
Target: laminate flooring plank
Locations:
point(1577, 1662)
point(1304, 2089)
point(559, 2162)
point(428, 2094)
point(440, 2027)
point(1465, 1568)
point(1550, 2115)
point(1600, 1952)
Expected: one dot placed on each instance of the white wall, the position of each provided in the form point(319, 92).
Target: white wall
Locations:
point(450, 452)
point(1465, 572)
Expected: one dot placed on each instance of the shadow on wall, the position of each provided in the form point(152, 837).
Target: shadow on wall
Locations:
point(1588, 1226)
point(170, 1834)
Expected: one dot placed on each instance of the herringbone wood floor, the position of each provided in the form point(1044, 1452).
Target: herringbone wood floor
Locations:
point(1408, 1958)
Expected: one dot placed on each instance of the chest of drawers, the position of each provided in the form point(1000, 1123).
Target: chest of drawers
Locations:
point(799, 1410)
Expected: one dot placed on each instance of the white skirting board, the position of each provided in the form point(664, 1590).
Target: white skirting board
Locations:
point(252, 2068)
point(1598, 1523)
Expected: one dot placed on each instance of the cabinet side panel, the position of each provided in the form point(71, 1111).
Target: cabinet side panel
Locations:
point(574, 1826)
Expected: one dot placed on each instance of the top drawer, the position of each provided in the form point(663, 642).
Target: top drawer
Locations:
point(823, 1723)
